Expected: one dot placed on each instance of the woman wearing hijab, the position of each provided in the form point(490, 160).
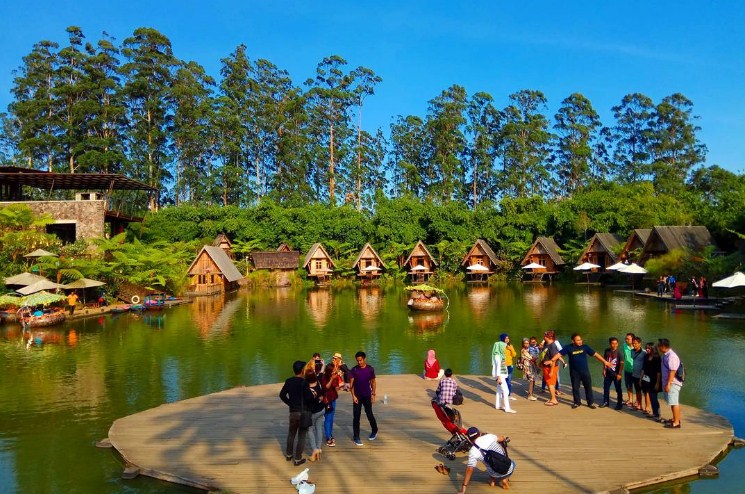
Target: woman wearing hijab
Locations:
point(432, 368)
point(510, 354)
point(500, 373)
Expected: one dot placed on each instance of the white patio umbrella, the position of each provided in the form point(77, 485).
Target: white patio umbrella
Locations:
point(419, 267)
point(534, 265)
point(737, 279)
point(586, 266)
point(617, 266)
point(39, 286)
point(632, 268)
point(369, 269)
point(477, 267)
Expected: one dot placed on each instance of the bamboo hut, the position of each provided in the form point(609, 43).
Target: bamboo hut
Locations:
point(319, 264)
point(420, 263)
point(544, 252)
point(601, 250)
point(281, 265)
point(479, 262)
point(369, 265)
point(634, 245)
point(212, 272)
point(664, 239)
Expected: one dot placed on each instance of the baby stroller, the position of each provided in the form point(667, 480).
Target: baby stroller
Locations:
point(451, 420)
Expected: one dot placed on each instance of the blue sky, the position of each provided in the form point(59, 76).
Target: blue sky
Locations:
point(420, 48)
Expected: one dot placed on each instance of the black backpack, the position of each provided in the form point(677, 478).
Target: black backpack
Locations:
point(498, 462)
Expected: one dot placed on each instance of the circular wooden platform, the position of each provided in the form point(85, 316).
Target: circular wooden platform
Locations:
point(234, 440)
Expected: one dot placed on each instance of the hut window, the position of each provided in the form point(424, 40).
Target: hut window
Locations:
point(319, 264)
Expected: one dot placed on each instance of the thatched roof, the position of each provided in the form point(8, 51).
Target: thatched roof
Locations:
point(607, 243)
point(549, 246)
point(312, 252)
point(485, 248)
point(372, 251)
point(275, 260)
point(667, 238)
point(426, 252)
point(222, 239)
point(642, 233)
point(221, 260)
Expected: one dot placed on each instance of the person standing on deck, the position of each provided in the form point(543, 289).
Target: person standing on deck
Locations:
point(628, 366)
point(548, 363)
point(613, 375)
point(672, 384)
point(296, 395)
point(651, 381)
point(362, 384)
point(331, 380)
point(500, 373)
point(72, 301)
point(509, 354)
point(638, 354)
point(579, 370)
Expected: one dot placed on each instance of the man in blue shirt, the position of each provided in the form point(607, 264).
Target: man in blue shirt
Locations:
point(579, 370)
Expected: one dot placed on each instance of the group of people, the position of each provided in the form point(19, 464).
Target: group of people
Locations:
point(697, 287)
point(645, 369)
point(311, 396)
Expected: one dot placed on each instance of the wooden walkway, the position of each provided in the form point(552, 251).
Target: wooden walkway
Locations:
point(233, 441)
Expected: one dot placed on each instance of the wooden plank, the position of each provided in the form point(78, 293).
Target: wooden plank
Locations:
point(234, 441)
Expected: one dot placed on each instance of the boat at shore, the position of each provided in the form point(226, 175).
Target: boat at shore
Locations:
point(426, 298)
point(39, 319)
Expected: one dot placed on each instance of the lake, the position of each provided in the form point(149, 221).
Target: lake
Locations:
point(60, 393)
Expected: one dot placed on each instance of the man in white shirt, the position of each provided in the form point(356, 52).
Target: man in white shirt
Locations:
point(487, 442)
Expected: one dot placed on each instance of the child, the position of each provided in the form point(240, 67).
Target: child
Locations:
point(529, 359)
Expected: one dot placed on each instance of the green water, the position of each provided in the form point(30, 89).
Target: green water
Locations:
point(59, 395)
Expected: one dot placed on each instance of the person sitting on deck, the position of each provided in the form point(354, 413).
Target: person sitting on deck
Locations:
point(480, 444)
point(432, 368)
point(446, 389)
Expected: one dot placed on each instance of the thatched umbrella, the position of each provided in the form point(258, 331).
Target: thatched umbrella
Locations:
point(23, 279)
point(40, 253)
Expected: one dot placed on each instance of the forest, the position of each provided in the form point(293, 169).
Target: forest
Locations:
point(268, 159)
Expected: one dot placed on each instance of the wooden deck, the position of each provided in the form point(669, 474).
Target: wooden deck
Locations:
point(234, 441)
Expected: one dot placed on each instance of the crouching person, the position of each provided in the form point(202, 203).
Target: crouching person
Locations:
point(490, 450)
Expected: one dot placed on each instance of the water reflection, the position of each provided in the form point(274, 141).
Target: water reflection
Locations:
point(213, 315)
point(535, 298)
point(427, 324)
point(478, 299)
point(318, 305)
point(369, 301)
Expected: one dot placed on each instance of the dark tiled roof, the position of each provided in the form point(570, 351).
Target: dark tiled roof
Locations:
point(275, 260)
